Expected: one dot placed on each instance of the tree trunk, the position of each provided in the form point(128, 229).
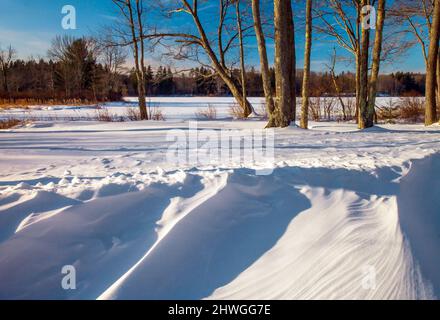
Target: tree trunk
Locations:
point(142, 102)
point(336, 85)
point(222, 72)
point(5, 81)
point(306, 77)
point(140, 79)
point(366, 117)
point(281, 116)
point(223, 9)
point(431, 69)
point(240, 38)
point(438, 81)
point(292, 61)
point(265, 73)
point(358, 64)
point(377, 51)
point(358, 85)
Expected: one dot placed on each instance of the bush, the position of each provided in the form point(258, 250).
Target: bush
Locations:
point(388, 112)
point(156, 114)
point(105, 116)
point(412, 109)
point(209, 113)
point(133, 114)
point(236, 111)
point(10, 123)
point(315, 109)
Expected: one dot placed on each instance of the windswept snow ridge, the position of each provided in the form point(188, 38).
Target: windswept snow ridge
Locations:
point(344, 215)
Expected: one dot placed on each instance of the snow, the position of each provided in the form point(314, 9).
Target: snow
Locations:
point(344, 215)
point(173, 108)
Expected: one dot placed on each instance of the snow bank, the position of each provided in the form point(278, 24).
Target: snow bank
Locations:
point(345, 214)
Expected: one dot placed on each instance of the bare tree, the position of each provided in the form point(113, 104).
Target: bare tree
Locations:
point(264, 64)
point(240, 39)
point(200, 40)
point(306, 77)
point(377, 51)
point(7, 57)
point(341, 20)
point(292, 60)
point(365, 118)
point(284, 63)
point(431, 68)
point(438, 80)
point(113, 59)
point(415, 18)
point(132, 14)
point(338, 90)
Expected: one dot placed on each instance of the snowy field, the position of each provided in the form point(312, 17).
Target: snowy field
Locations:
point(173, 108)
point(344, 214)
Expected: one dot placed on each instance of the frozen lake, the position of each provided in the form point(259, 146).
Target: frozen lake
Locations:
point(173, 108)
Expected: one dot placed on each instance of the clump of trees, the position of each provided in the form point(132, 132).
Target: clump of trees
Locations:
point(76, 69)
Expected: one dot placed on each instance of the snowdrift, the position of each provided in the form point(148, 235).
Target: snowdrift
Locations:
point(300, 233)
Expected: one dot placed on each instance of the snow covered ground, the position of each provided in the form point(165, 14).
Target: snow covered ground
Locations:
point(344, 214)
point(173, 108)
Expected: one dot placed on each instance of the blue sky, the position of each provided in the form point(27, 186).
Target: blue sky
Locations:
point(29, 25)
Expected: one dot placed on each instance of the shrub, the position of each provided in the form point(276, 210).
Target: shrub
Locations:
point(133, 114)
point(156, 114)
point(105, 116)
point(10, 123)
point(209, 113)
point(236, 111)
point(388, 112)
point(315, 109)
point(412, 109)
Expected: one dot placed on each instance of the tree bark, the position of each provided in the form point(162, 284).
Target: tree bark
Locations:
point(377, 51)
point(140, 79)
point(306, 77)
point(142, 102)
point(265, 73)
point(223, 11)
point(5, 80)
point(366, 117)
point(240, 38)
point(431, 69)
point(281, 116)
point(438, 81)
point(358, 64)
point(292, 61)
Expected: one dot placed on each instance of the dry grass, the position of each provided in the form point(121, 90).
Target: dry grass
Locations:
point(133, 114)
point(27, 103)
point(210, 113)
point(315, 109)
point(236, 111)
point(10, 123)
point(156, 114)
point(412, 109)
point(105, 116)
point(388, 112)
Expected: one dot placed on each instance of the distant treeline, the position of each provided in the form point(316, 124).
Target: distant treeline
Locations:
point(75, 71)
point(203, 82)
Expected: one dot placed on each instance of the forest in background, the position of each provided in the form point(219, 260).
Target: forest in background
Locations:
point(82, 73)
